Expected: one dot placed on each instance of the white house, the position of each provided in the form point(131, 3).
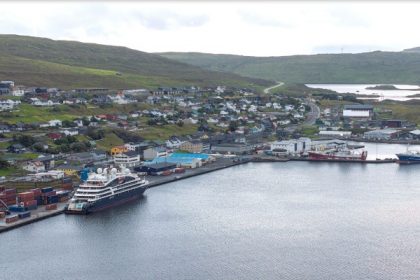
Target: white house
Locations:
point(34, 166)
point(53, 123)
point(70, 132)
point(18, 92)
point(6, 105)
point(173, 143)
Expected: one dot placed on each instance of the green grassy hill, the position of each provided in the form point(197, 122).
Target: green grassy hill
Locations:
point(36, 61)
point(373, 67)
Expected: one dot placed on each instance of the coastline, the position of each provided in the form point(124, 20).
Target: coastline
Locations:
point(155, 181)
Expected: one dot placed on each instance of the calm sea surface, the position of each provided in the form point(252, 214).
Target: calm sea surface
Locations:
point(402, 93)
point(295, 220)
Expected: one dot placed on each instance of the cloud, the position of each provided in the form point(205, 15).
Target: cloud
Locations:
point(256, 18)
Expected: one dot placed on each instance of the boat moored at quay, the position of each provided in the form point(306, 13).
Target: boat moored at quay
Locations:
point(410, 157)
point(106, 188)
point(338, 155)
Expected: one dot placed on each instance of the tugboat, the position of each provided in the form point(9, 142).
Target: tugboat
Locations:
point(104, 189)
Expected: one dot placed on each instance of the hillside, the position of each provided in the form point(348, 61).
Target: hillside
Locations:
point(68, 64)
point(374, 67)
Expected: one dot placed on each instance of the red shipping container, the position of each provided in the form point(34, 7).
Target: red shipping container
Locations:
point(51, 207)
point(30, 203)
point(37, 192)
point(11, 219)
point(25, 196)
point(10, 191)
point(8, 196)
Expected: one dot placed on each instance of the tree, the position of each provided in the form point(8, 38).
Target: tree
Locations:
point(24, 140)
point(3, 164)
point(233, 125)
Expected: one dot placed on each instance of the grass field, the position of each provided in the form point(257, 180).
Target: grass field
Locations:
point(36, 61)
point(165, 131)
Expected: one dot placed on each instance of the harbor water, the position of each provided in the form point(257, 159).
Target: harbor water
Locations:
point(292, 220)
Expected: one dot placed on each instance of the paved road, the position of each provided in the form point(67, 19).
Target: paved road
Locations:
point(313, 114)
point(267, 90)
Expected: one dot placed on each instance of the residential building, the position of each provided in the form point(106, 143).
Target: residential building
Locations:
point(118, 150)
point(128, 159)
point(194, 146)
point(16, 148)
point(34, 166)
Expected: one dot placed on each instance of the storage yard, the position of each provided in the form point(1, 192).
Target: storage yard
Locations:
point(17, 209)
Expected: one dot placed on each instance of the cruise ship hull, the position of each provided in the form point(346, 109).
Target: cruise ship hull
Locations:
point(408, 159)
point(105, 203)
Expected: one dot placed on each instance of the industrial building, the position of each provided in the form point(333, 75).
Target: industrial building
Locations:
point(292, 147)
point(382, 134)
point(358, 111)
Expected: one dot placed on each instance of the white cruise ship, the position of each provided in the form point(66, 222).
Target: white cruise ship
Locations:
point(106, 188)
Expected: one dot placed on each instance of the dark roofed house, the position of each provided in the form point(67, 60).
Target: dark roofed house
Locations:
point(16, 148)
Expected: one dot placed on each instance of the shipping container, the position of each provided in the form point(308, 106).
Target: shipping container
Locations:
point(29, 203)
point(179, 170)
point(7, 196)
point(47, 189)
point(32, 207)
point(17, 208)
point(49, 193)
point(52, 199)
point(11, 219)
point(9, 191)
point(24, 215)
point(37, 192)
point(64, 198)
point(51, 207)
point(25, 196)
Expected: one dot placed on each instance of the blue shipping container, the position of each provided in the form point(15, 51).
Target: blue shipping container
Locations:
point(24, 215)
point(47, 189)
point(52, 199)
point(16, 208)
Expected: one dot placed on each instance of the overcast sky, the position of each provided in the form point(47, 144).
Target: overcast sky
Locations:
point(246, 28)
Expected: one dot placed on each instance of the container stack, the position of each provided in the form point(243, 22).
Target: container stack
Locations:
point(27, 200)
point(67, 184)
point(63, 195)
point(49, 196)
point(37, 195)
point(8, 196)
